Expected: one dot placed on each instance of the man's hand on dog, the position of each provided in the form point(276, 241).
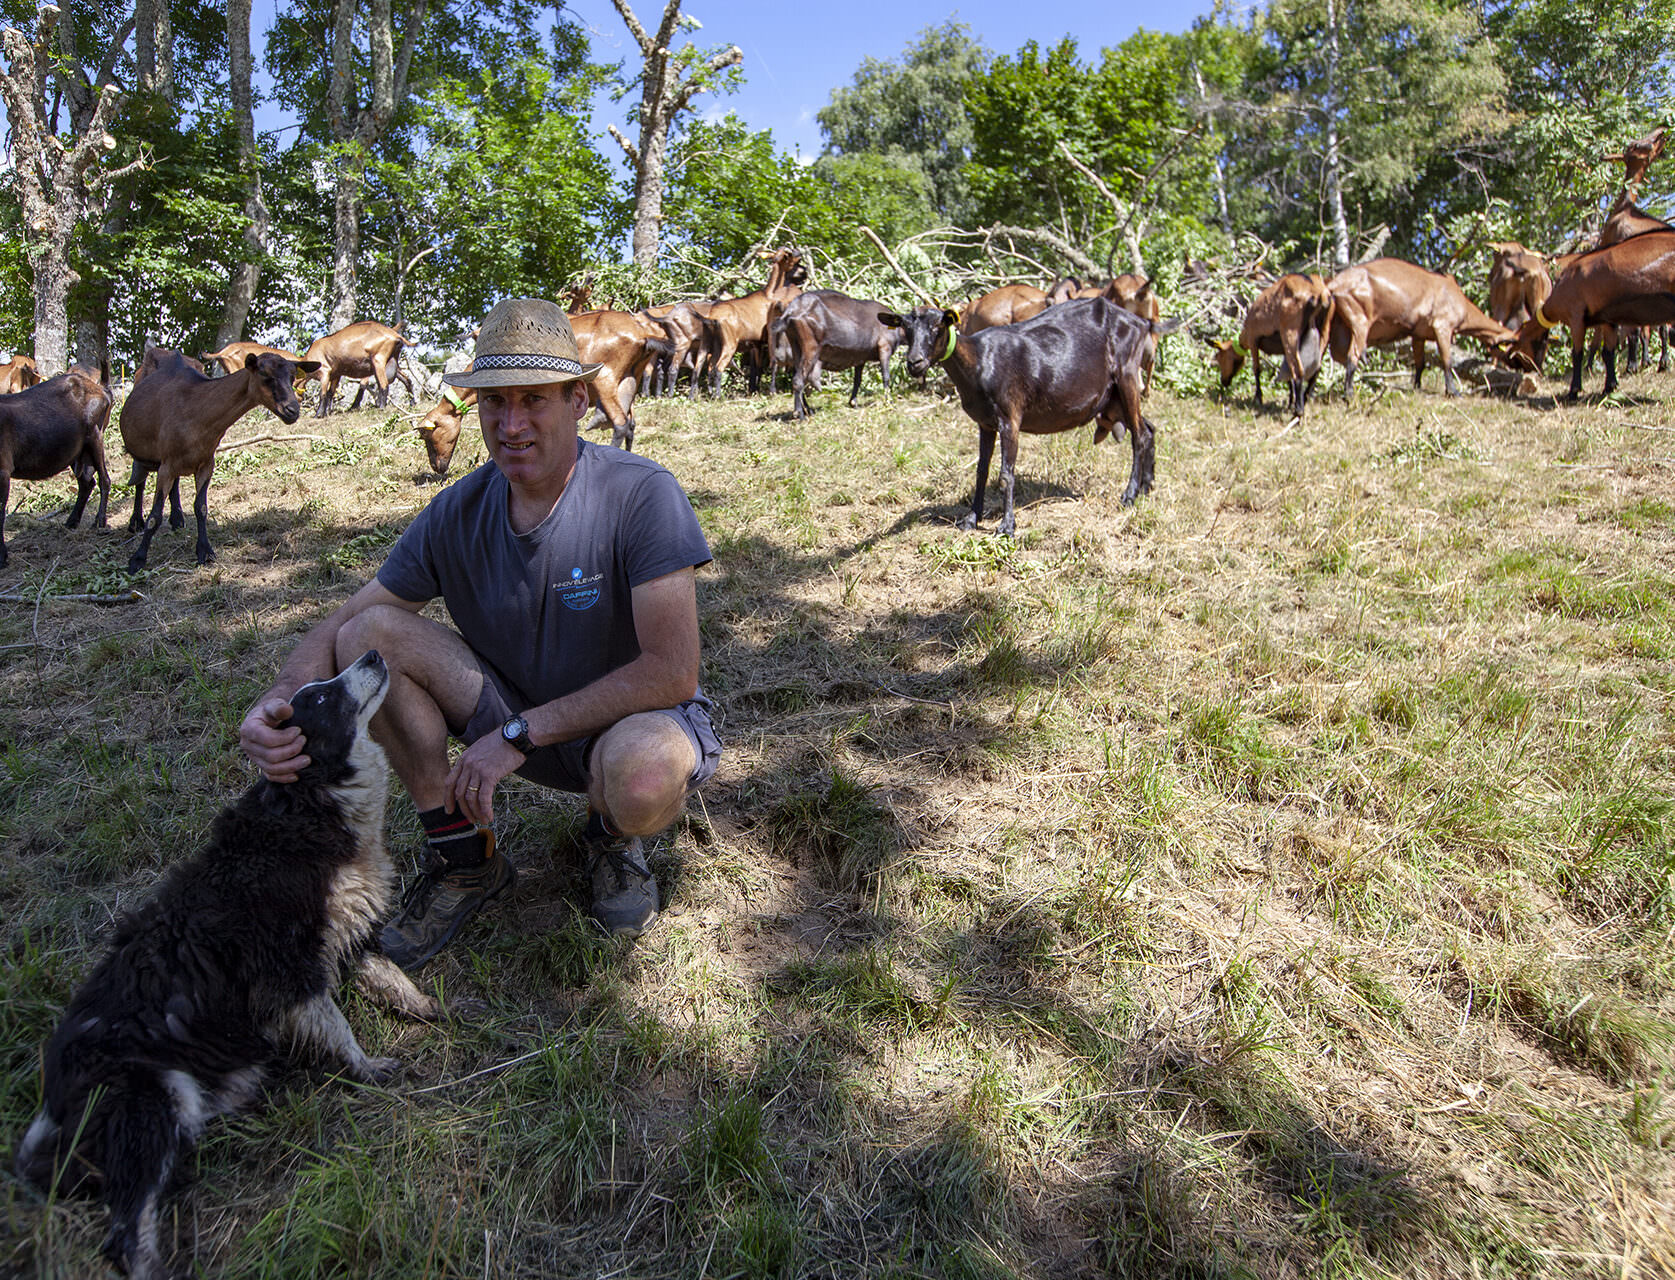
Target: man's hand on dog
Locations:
point(278, 753)
point(471, 782)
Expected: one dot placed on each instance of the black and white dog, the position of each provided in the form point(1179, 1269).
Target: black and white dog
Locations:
point(232, 962)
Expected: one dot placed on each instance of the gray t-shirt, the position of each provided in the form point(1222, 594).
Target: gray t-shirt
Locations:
point(549, 610)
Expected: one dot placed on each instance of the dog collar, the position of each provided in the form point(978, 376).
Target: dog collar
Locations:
point(1542, 320)
point(458, 402)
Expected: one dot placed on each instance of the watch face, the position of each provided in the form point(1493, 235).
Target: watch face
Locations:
point(514, 728)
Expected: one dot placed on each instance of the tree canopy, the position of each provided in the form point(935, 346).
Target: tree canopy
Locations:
point(1300, 130)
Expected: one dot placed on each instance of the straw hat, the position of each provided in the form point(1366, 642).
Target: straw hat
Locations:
point(524, 341)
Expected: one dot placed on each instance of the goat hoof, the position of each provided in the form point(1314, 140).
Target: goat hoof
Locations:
point(968, 524)
point(206, 556)
point(177, 522)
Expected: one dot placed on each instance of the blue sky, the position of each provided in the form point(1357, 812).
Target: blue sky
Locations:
point(795, 54)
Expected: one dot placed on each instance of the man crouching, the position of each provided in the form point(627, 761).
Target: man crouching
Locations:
point(569, 570)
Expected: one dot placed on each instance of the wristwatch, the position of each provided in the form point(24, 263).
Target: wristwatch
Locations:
point(516, 732)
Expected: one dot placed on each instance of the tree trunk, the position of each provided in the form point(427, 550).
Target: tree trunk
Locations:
point(664, 94)
point(648, 192)
point(346, 242)
point(241, 290)
point(154, 47)
point(357, 130)
point(53, 278)
point(1334, 164)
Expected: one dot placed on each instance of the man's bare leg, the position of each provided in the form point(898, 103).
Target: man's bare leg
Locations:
point(434, 683)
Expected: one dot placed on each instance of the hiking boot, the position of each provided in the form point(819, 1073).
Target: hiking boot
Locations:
point(439, 902)
point(624, 890)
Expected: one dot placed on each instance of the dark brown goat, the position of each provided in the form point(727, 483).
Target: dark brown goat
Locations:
point(825, 329)
point(52, 425)
point(1631, 282)
point(1074, 362)
point(173, 419)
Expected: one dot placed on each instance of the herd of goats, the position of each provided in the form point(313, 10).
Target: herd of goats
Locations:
point(1022, 359)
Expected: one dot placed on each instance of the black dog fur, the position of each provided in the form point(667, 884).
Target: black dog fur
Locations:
point(231, 963)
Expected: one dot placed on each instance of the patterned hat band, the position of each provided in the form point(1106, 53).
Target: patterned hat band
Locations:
point(530, 361)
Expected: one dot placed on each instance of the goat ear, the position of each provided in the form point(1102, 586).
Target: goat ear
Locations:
point(890, 320)
point(951, 319)
point(250, 360)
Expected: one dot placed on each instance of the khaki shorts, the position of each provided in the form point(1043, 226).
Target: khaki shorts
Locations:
point(564, 765)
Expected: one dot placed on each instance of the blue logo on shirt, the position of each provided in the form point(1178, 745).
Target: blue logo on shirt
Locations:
point(583, 593)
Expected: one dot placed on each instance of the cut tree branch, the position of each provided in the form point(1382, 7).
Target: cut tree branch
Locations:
point(900, 270)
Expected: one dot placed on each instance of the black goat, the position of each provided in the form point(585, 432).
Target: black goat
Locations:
point(1074, 362)
point(56, 424)
point(824, 329)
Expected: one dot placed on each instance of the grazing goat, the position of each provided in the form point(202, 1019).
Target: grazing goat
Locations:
point(52, 425)
point(1386, 300)
point(1631, 282)
point(440, 428)
point(1077, 361)
point(17, 374)
point(745, 320)
point(365, 349)
point(1625, 221)
point(173, 419)
point(1009, 304)
point(1518, 283)
point(825, 329)
point(626, 344)
point(1289, 319)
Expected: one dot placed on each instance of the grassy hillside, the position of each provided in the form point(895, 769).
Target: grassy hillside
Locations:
point(1272, 879)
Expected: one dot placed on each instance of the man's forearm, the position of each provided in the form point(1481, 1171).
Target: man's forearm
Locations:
point(648, 683)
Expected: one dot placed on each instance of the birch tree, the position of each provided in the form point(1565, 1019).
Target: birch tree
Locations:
point(669, 80)
point(58, 172)
point(247, 274)
point(357, 125)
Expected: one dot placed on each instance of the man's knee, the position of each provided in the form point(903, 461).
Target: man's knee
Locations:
point(641, 766)
point(382, 627)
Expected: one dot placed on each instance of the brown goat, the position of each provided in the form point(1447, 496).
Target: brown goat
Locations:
point(365, 349)
point(745, 320)
point(16, 374)
point(174, 418)
point(1134, 294)
point(695, 339)
point(1387, 300)
point(626, 344)
point(1518, 283)
point(231, 356)
point(440, 428)
point(1631, 282)
point(1068, 288)
point(52, 425)
point(1289, 319)
point(1637, 157)
point(1009, 304)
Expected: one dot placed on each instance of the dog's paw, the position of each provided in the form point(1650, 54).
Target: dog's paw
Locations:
point(378, 1070)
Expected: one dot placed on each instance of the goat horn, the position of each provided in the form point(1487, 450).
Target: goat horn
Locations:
point(1542, 320)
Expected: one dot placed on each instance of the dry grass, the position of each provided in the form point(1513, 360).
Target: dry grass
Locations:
point(1272, 879)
